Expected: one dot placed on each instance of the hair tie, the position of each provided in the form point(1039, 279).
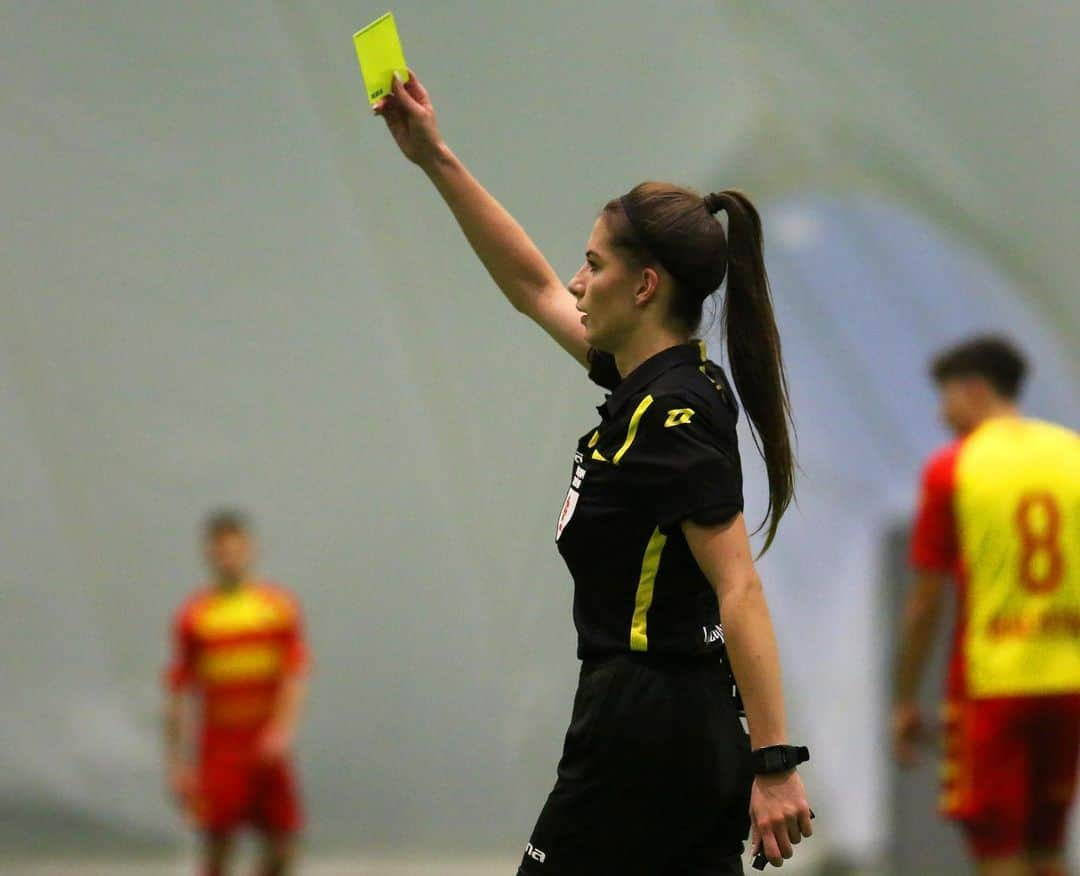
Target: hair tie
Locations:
point(714, 202)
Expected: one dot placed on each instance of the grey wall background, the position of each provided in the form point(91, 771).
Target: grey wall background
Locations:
point(220, 283)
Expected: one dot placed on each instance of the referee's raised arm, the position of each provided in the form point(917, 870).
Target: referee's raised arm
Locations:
point(657, 773)
point(518, 268)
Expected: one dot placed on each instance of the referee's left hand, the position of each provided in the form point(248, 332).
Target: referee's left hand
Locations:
point(779, 816)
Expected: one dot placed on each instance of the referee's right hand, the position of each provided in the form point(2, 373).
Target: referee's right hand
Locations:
point(779, 816)
point(410, 116)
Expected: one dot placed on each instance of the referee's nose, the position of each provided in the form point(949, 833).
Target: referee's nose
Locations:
point(576, 286)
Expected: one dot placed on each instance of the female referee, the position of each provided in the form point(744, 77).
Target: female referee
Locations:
point(657, 777)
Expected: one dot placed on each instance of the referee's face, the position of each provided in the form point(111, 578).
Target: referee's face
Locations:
point(605, 288)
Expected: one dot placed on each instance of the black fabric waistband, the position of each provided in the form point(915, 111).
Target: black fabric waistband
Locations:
point(678, 662)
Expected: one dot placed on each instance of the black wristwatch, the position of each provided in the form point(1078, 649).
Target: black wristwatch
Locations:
point(779, 758)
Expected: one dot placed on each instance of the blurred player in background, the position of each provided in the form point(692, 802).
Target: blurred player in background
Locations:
point(239, 655)
point(1000, 515)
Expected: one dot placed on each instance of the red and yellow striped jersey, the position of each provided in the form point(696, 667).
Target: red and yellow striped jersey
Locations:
point(234, 648)
point(1000, 509)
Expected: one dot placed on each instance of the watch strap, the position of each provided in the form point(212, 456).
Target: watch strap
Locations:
point(779, 758)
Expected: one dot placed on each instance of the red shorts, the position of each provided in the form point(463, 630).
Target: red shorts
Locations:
point(234, 791)
point(1009, 772)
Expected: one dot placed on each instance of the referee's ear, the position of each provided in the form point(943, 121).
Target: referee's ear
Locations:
point(648, 287)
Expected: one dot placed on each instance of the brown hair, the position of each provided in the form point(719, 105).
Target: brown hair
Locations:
point(659, 223)
point(993, 358)
point(225, 521)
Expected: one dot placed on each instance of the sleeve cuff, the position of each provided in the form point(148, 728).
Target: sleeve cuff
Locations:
point(707, 515)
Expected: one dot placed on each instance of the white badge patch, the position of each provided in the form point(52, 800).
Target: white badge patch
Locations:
point(572, 496)
point(567, 511)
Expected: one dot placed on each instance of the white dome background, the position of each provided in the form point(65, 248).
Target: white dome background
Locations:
point(220, 284)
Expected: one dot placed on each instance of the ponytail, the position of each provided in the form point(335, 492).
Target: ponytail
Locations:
point(753, 349)
point(662, 223)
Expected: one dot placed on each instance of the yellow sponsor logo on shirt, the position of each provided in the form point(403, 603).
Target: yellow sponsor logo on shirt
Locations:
point(678, 417)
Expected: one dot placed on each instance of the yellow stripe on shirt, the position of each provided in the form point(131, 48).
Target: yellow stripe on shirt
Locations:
point(631, 433)
point(650, 564)
point(248, 662)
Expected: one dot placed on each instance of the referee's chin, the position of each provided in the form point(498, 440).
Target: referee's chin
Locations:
point(595, 340)
point(586, 324)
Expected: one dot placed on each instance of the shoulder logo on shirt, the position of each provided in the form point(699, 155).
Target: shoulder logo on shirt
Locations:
point(678, 417)
point(533, 852)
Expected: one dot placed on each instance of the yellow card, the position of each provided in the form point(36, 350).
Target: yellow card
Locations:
point(378, 48)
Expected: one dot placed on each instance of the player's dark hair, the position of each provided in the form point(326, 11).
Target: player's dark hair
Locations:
point(991, 357)
point(660, 223)
point(225, 521)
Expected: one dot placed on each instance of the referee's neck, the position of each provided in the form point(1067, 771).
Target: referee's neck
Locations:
point(642, 347)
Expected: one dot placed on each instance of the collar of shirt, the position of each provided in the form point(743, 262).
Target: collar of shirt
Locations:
point(690, 353)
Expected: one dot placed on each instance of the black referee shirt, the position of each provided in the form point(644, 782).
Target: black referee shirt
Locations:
point(665, 451)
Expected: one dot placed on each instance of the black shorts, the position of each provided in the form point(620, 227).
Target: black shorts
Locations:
point(654, 778)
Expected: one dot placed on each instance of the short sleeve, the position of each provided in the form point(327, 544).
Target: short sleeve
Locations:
point(602, 369)
point(180, 673)
point(933, 539)
point(687, 467)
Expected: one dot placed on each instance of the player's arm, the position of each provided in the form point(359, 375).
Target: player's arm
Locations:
point(178, 717)
point(933, 553)
point(177, 741)
point(918, 630)
point(779, 809)
point(280, 733)
point(518, 268)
